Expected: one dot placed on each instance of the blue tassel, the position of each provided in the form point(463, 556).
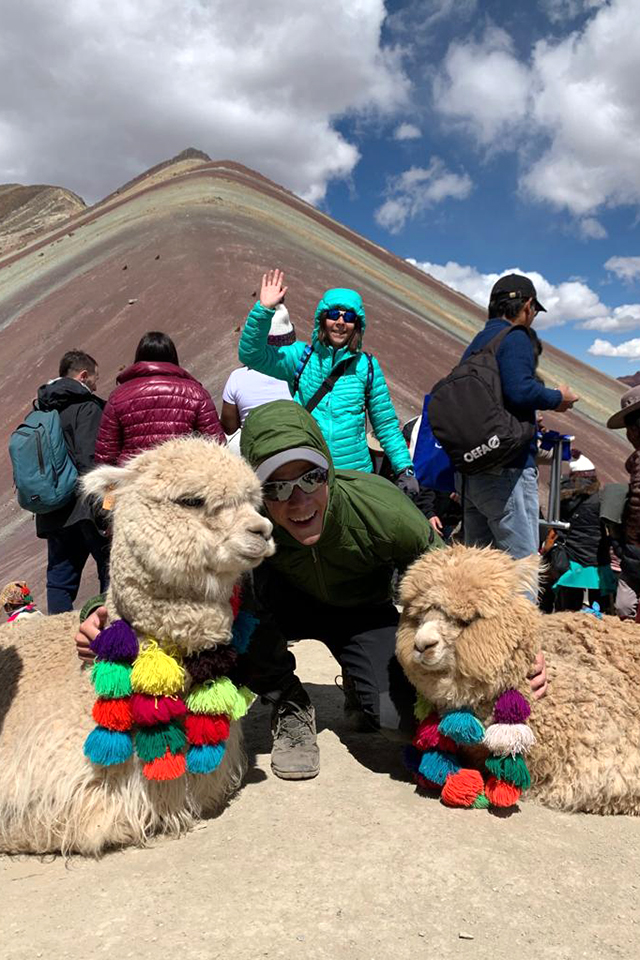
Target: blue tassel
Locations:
point(461, 726)
point(412, 757)
point(204, 759)
point(436, 766)
point(108, 747)
point(243, 627)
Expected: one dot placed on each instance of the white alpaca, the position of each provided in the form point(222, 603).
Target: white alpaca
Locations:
point(185, 527)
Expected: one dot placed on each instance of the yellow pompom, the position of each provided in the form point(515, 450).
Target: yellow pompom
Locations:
point(156, 673)
point(244, 700)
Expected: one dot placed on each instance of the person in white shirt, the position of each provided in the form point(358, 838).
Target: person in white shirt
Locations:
point(246, 389)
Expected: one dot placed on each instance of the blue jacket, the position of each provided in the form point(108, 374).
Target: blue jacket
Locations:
point(523, 393)
point(341, 414)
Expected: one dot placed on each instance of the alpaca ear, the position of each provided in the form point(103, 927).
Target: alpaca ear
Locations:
point(103, 480)
point(527, 572)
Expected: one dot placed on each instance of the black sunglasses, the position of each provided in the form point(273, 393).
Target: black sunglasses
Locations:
point(348, 315)
point(282, 490)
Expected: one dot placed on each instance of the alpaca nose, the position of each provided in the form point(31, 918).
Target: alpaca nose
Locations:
point(261, 527)
point(427, 637)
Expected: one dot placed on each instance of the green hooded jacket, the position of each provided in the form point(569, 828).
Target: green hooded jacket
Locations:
point(370, 527)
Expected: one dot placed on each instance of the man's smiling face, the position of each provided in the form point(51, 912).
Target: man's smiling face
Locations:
point(302, 515)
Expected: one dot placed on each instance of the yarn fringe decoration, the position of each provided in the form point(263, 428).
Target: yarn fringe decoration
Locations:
point(141, 700)
point(433, 755)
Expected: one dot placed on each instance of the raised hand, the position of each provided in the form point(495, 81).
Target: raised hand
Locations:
point(272, 290)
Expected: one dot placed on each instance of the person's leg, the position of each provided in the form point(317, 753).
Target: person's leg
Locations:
point(513, 510)
point(475, 529)
point(98, 546)
point(66, 556)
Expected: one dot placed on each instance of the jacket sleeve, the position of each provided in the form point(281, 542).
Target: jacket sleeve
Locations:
point(412, 534)
point(255, 353)
point(517, 373)
point(81, 433)
point(385, 422)
point(207, 421)
point(632, 512)
point(109, 442)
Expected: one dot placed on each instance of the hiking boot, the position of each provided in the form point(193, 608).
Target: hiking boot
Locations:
point(355, 717)
point(295, 754)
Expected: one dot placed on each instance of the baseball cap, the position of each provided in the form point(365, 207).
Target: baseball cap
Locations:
point(514, 285)
point(271, 464)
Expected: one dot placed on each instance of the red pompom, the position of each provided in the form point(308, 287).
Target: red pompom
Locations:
point(501, 794)
point(113, 714)
point(462, 788)
point(148, 710)
point(426, 736)
point(169, 767)
point(202, 728)
point(236, 601)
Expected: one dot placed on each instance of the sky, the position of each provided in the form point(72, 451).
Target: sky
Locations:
point(471, 137)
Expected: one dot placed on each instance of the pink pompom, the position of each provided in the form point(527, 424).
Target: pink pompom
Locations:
point(148, 710)
point(511, 707)
point(426, 736)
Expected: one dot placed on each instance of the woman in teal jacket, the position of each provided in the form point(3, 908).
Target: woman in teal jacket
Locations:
point(361, 388)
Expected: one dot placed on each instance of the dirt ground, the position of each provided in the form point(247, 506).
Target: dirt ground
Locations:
point(351, 865)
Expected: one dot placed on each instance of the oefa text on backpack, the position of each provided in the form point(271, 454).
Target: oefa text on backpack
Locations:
point(43, 472)
point(468, 416)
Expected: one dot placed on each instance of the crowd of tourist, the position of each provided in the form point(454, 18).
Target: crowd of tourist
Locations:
point(349, 512)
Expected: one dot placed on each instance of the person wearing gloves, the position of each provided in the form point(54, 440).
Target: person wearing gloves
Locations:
point(332, 378)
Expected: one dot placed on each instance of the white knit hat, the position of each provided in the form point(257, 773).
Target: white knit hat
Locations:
point(581, 465)
point(281, 331)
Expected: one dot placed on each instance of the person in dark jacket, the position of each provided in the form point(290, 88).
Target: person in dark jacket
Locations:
point(71, 532)
point(155, 399)
point(586, 544)
point(500, 505)
point(629, 583)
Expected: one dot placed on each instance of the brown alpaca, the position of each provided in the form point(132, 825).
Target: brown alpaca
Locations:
point(186, 526)
point(467, 633)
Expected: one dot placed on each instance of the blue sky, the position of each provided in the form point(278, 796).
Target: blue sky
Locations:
point(471, 136)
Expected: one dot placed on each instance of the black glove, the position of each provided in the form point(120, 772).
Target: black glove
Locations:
point(407, 481)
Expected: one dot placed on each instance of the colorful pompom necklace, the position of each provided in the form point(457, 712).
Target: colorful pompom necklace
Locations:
point(142, 704)
point(433, 757)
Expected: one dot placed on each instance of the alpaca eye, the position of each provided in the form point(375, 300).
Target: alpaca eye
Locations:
point(194, 502)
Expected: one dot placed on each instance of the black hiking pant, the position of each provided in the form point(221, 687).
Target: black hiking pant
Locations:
point(362, 639)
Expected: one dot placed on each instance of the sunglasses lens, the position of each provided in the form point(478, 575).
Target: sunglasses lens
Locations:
point(312, 480)
point(349, 316)
point(277, 490)
point(333, 314)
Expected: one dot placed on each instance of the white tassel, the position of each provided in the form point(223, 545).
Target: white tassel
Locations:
point(504, 739)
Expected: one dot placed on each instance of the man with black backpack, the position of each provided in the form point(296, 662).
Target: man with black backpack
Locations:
point(70, 530)
point(484, 415)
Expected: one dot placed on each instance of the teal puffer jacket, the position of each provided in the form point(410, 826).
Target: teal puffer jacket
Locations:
point(341, 413)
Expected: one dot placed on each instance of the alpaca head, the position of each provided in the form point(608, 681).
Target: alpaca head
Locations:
point(186, 524)
point(467, 630)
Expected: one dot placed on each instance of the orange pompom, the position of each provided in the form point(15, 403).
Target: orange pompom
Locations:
point(501, 794)
point(169, 767)
point(462, 788)
point(113, 714)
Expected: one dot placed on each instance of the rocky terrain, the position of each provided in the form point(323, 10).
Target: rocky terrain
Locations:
point(29, 212)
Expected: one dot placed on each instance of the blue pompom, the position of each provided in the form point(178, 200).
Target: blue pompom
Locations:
point(204, 759)
point(436, 766)
point(107, 747)
point(461, 726)
point(412, 757)
point(243, 626)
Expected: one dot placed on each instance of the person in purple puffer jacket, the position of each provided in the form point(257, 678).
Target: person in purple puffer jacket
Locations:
point(155, 399)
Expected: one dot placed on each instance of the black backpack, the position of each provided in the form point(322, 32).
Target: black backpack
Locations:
point(468, 416)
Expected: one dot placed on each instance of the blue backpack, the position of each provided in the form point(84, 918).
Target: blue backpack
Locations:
point(43, 472)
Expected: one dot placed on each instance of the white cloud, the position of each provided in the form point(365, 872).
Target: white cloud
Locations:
point(626, 268)
point(591, 229)
point(620, 319)
point(93, 93)
point(603, 348)
point(417, 189)
point(574, 104)
point(571, 300)
point(560, 10)
point(407, 131)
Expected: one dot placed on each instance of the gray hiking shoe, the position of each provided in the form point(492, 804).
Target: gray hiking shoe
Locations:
point(295, 754)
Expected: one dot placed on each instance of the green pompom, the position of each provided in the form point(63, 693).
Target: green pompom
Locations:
point(221, 696)
point(153, 742)
point(244, 699)
point(481, 802)
point(511, 769)
point(422, 708)
point(111, 679)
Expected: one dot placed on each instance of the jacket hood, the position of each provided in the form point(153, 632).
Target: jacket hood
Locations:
point(578, 487)
point(62, 392)
point(152, 368)
point(283, 425)
point(339, 297)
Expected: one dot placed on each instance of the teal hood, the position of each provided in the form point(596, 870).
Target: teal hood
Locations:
point(339, 297)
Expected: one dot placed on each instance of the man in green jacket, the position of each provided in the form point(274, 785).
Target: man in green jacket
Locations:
point(340, 535)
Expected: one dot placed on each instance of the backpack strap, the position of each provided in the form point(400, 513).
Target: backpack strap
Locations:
point(304, 359)
point(369, 383)
point(495, 342)
point(329, 383)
